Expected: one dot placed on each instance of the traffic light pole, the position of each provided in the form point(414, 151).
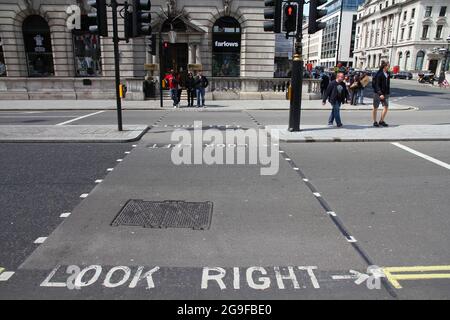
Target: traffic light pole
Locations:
point(297, 78)
point(161, 74)
point(117, 62)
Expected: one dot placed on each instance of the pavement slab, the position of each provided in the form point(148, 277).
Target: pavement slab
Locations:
point(68, 133)
point(361, 133)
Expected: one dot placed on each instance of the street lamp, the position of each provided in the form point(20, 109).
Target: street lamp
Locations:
point(446, 53)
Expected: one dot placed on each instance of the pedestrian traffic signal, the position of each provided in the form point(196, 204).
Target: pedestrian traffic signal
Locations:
point(315, 14)
point(151, 44)
point(142, 18)
point(290, 17)
point(272, 14)
point(98, 20)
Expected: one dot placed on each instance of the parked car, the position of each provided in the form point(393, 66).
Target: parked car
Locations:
point(403, 75)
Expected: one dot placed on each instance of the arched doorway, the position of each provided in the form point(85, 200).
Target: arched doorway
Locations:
point(226, 51)
point(174, 56)
point(38, 46)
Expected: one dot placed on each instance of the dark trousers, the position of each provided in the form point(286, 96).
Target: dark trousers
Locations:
point(191, 96)
point(179, 95)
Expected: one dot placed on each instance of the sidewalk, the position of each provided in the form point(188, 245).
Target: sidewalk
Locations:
point(360, 133)
point(44, 105)
point(98, 133)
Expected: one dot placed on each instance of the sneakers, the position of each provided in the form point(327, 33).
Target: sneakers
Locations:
point(381, 123)
point(340, 125)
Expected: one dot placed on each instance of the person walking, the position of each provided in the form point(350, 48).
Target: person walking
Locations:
point(201, 83)
point(190, 88)
point(364, 81)
point(382, 88)
point(354, 88)
point(172, 82)
point(336, 94)
point(324, 82)
point(179, 88)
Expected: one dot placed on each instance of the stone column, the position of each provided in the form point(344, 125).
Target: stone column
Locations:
point(198, 57)
point(191, 55)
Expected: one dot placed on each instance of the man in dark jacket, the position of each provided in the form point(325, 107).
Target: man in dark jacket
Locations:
point(201, 83)
point(324, 82)
point(336, 94)
point(190, 88)
point(381, 84)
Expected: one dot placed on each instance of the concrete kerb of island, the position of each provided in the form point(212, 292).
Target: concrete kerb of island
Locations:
point(360, 133)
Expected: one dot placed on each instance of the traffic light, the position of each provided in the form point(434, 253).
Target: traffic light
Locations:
point(142, 18)
point(272, 14)
point(315, 14)
point(290, 17)
point(151, 44)
point(98, 20)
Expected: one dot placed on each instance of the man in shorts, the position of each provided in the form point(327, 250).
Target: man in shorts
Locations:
point(381, 84)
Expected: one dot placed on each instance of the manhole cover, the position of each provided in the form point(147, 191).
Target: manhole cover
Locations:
point(165, 214)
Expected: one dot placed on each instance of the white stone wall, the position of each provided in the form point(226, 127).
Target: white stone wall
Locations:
point(257, 55)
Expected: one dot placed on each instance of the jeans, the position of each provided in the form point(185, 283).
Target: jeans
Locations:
point(200, 94)
point(191, 95)
point(174, 96)
point(335, 114)
point(361, 96)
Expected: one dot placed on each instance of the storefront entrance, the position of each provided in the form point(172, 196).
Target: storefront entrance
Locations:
point(433, 66)
point(175, 56)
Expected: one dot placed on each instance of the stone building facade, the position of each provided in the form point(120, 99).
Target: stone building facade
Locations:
point(40, 57)
point(408, 33)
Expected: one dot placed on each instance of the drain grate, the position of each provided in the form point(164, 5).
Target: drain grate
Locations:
point(165, 214)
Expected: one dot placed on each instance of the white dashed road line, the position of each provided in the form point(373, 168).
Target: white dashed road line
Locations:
point(40, 240)
point(5, 276)
point(84, 195)
point(79, 118)
point(65, 215)
point(422, 155)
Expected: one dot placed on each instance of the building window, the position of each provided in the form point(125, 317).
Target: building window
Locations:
point(352, 42)
point(226, 53)
point(413, 13)
point(425, 31)
point(400, 57)
point(405, 14)
point(329, 39)
point(443, 12)
point(2, 61)
point(428, 11)
point(38, 47)
point(407, 56)
point(410, 33)
point(402, 34)
point(419, 60)
point(87, 52)
point(439, 31)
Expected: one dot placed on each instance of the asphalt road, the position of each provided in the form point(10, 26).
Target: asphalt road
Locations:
point(39, 182)
point(308, 232)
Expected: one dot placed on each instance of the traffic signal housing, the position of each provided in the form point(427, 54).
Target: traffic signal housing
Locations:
point(316, 14)
point(141, 18)
point(272, 14)
point(290, 17)
point(98, 20)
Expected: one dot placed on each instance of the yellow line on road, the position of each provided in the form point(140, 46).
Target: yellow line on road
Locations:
point(394, 278)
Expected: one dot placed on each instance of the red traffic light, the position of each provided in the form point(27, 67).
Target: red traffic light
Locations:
point(290, 10)
point(165, 45)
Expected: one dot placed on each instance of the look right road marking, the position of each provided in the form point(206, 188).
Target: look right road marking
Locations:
point(422, 155)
